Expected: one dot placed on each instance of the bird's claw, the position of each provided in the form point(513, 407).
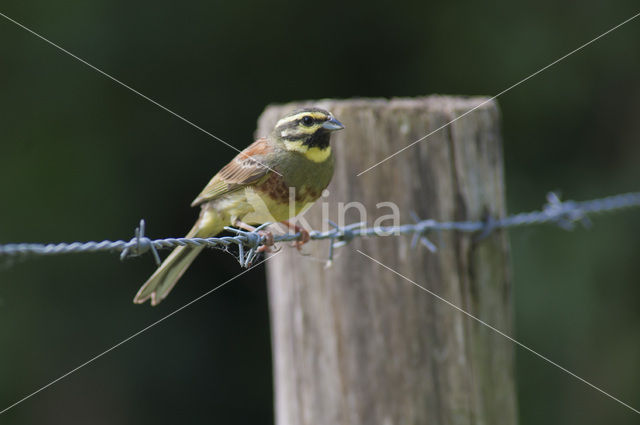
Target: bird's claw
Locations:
point(304, 234)
point(303, 239)
point(267, 241)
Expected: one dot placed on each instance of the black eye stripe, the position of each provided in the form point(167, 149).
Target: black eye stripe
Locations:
point(298, 122)
point(315, 119)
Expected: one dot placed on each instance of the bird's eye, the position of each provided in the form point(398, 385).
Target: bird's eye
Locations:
point(307, 120)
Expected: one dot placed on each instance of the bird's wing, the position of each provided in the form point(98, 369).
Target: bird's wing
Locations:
point(246, 168)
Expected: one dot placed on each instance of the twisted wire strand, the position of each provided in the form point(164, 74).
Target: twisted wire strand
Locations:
point(565, 214)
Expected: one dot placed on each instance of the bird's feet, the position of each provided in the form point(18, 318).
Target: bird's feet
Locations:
point(267, 241)
point(304, 234)
point(267, 236)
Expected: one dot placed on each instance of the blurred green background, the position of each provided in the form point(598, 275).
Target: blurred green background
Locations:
point(82, 158)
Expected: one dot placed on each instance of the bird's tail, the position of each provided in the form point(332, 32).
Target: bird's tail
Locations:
point(162, 281)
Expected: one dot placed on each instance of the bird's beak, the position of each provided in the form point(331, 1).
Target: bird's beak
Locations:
point(332, 125)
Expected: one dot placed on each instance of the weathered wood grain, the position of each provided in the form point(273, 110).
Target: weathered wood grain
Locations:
point(356, 344)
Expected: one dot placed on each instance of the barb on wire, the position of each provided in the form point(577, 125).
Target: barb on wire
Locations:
point(565, 214)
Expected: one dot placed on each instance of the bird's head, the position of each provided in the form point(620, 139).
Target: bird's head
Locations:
point(307, 131)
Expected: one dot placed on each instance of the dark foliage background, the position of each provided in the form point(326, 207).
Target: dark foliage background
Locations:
point(82, 158)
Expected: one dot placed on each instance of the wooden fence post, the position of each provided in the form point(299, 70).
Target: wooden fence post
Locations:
point(356, 344)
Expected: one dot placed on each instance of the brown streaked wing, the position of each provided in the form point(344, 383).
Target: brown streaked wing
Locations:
point(243, 170)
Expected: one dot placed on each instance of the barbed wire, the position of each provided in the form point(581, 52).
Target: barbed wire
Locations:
point(565, 214)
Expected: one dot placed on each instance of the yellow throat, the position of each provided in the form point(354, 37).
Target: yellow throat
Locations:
point(314, 154)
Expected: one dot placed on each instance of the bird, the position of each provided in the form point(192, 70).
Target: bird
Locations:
point(293, 163)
